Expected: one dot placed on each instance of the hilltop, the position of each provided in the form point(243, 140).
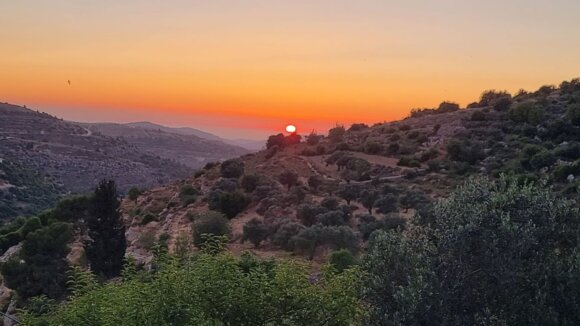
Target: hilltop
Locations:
point(362, 178)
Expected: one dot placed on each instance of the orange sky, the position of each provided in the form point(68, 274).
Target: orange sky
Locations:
point(246, 68)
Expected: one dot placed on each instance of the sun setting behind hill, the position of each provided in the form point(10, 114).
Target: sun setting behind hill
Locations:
point(237, 67)
point(293, 163)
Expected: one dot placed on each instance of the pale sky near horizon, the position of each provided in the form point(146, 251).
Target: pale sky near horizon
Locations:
point(247, 68)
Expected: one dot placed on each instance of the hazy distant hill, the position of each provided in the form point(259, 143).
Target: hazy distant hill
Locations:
point(176, 144)
point(251, 144)
point(73, 157)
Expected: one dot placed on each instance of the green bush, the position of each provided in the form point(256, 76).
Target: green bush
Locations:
point(233, 168)
point(409, 161)
point(498, 252)
point(341, 260)
point(371, 147)
point(255, 231)
point(573, 114)
point(336, 134)
point(527, 112)
point(133, 193)
point(188, 194)
point(213, 290)
point(212, 223)
point(542, 159)
point(148, 217)
point(40, 267)
point(229, 203)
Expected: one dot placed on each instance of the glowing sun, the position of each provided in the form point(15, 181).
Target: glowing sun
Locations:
point(291, 128)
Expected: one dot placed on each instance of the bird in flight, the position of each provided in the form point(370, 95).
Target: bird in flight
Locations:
point(68, 81)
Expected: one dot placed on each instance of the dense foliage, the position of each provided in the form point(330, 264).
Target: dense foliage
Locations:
point(212, 290)
point(493, 253)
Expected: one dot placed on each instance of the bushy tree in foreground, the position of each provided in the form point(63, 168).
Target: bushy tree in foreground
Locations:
point(106, 247)
point(214, 290)
point(493, 253)
point(40, 267)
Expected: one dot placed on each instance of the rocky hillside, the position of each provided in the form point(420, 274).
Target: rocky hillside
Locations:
point(307, 196)
point(169, 143)
point(69, 158)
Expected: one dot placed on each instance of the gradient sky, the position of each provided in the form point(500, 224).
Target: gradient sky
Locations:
point(246, 68)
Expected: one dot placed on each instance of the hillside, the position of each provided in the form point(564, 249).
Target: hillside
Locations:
point(445, 215)
point(72, 157)
point(356, 180)
point(249, 144)
point(169, 143)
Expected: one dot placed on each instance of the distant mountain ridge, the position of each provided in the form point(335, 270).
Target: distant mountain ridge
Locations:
point(250, 144)
point(169, 143)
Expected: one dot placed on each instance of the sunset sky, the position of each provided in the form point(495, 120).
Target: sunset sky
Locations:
point(247, 68)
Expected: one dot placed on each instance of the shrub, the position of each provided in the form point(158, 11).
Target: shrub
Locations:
point(489, 98)
point(255, 231)
point(573, 114)
point(526, 112)
point(282, 237)
point(371, 147)
point(233, 168)
point(330, 203)
point(542, 159)
point(250, 182)
point(308, 213)
point(147, 240)
point(358, 127)
point(40, 267)
point(502, 103)
point(214, 290)
point(134, 193)
point(336, 134)
point(309, 239)
point(212, 223)
point(341, 260)
point(229, 203)
point(413, 199)
point(288, 178)
point(331, 218)
point(446, 106)
point(408, 161)
point(278, 141)
point(187, 194)
point(393, 148)
point(434, 165)
point(404, 127)
point(464, 151)
point(386, 204)
point(349, 192)
point(148, 218)
point(313, 138)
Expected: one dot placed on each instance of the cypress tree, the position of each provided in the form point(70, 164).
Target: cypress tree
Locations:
point(106, 247)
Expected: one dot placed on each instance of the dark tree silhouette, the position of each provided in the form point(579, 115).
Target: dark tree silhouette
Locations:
point(106, 246)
